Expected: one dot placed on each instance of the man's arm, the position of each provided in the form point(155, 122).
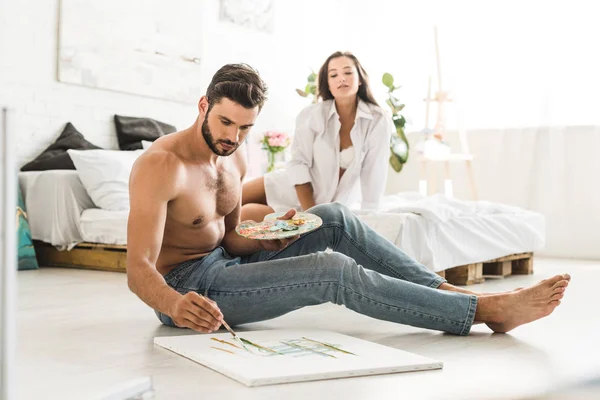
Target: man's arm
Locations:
point(232, 242)
point(238, 245)
point(152, 184)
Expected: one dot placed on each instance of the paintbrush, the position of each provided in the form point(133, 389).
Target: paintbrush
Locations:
point(235, 336)
point(226, 325)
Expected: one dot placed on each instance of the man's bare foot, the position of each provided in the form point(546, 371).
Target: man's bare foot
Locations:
point(505, 312)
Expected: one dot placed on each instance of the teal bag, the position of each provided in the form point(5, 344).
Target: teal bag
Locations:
point(26, 250)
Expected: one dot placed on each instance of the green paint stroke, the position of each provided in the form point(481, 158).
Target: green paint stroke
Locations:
point(249, 343)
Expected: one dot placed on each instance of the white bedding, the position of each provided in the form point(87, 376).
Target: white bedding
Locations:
point(103, 226)
point(54, 201)
point(442, 233)
point(439, 232)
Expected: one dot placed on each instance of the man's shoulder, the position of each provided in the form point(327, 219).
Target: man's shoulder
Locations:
point(158, 161)
point(157, 167)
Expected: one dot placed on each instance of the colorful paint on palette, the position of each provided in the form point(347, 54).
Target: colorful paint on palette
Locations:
point(272, 228)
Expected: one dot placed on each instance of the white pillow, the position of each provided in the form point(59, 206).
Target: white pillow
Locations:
point(146, 144)
point(105, 175)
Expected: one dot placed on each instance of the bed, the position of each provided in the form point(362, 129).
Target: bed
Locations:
point(465, 241)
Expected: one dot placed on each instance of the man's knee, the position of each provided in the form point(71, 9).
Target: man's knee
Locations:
point(332, 212)
point(338, 265)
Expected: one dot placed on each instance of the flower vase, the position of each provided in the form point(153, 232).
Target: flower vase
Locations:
point(271, 161)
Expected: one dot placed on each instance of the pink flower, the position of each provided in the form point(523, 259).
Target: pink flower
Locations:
point(278, 140)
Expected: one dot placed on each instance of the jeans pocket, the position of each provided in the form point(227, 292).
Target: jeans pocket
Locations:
point(164, 319)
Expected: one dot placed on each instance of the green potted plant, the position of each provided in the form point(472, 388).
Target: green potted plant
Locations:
point(311, 88)
point(398, 144)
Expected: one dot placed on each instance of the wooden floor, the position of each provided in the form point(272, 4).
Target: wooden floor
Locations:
point(82, 332)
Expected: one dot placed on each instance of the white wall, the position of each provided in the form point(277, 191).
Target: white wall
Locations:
point(552, 171)
point(41, 105)
point(511, 64)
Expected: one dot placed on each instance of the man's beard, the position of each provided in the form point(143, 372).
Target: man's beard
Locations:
point(210, 141)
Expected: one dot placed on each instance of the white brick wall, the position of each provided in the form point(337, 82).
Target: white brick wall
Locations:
point(41, 105)
point(305, 33)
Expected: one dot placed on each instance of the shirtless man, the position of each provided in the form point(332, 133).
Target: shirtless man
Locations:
point(186, 261)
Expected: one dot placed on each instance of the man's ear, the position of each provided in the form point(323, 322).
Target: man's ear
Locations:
point(203, 106)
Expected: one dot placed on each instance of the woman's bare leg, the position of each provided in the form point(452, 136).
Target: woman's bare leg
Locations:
point(254, 191)
point(254, 200)
point(255, 212)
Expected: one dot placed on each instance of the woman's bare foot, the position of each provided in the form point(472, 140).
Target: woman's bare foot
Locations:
point(505, 312)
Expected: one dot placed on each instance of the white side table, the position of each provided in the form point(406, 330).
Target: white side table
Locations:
point(429, 169)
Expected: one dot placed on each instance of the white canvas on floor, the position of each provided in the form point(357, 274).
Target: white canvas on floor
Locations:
point(293, 356)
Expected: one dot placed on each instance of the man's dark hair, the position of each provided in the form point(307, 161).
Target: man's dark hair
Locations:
point(239, 83)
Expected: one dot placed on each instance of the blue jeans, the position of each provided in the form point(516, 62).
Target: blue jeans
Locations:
point(365, 272)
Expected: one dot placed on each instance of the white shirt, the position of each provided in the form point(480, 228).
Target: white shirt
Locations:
point(316, 159)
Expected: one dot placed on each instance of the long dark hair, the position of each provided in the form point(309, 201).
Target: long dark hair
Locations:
point(364, 90)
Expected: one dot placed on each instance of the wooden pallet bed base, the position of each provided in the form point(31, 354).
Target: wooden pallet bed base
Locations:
point(514, 264)
point(104, 257)
point(108, 257)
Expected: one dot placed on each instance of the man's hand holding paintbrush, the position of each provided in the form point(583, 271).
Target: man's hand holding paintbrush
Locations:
point(196, 312)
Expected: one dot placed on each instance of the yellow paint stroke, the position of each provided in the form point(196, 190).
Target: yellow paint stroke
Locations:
point(226, 351)
point(226, 342)
point(328, 345)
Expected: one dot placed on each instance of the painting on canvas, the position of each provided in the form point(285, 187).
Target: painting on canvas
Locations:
point(144, 47)
point(282, 356)
point(256, 15)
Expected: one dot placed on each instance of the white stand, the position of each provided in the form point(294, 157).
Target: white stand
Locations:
point(429, 171)
point(8, 260)
point(428, 179)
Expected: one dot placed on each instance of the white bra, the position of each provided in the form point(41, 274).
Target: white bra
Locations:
point(346, 157)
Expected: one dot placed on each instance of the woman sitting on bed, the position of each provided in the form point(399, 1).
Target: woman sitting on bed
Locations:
point(340, 148)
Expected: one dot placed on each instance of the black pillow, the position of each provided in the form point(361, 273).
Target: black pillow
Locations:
point(131, 131)
point(55, 156)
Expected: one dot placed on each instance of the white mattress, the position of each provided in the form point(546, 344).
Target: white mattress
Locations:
point(103, 226)
point(61, 212)
point(442, 233)
point(439, 232)
point(54, 201)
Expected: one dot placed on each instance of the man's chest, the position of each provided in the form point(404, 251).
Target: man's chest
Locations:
point(211, 195)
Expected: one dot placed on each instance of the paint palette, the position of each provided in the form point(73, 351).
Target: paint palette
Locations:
point(272, 228)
